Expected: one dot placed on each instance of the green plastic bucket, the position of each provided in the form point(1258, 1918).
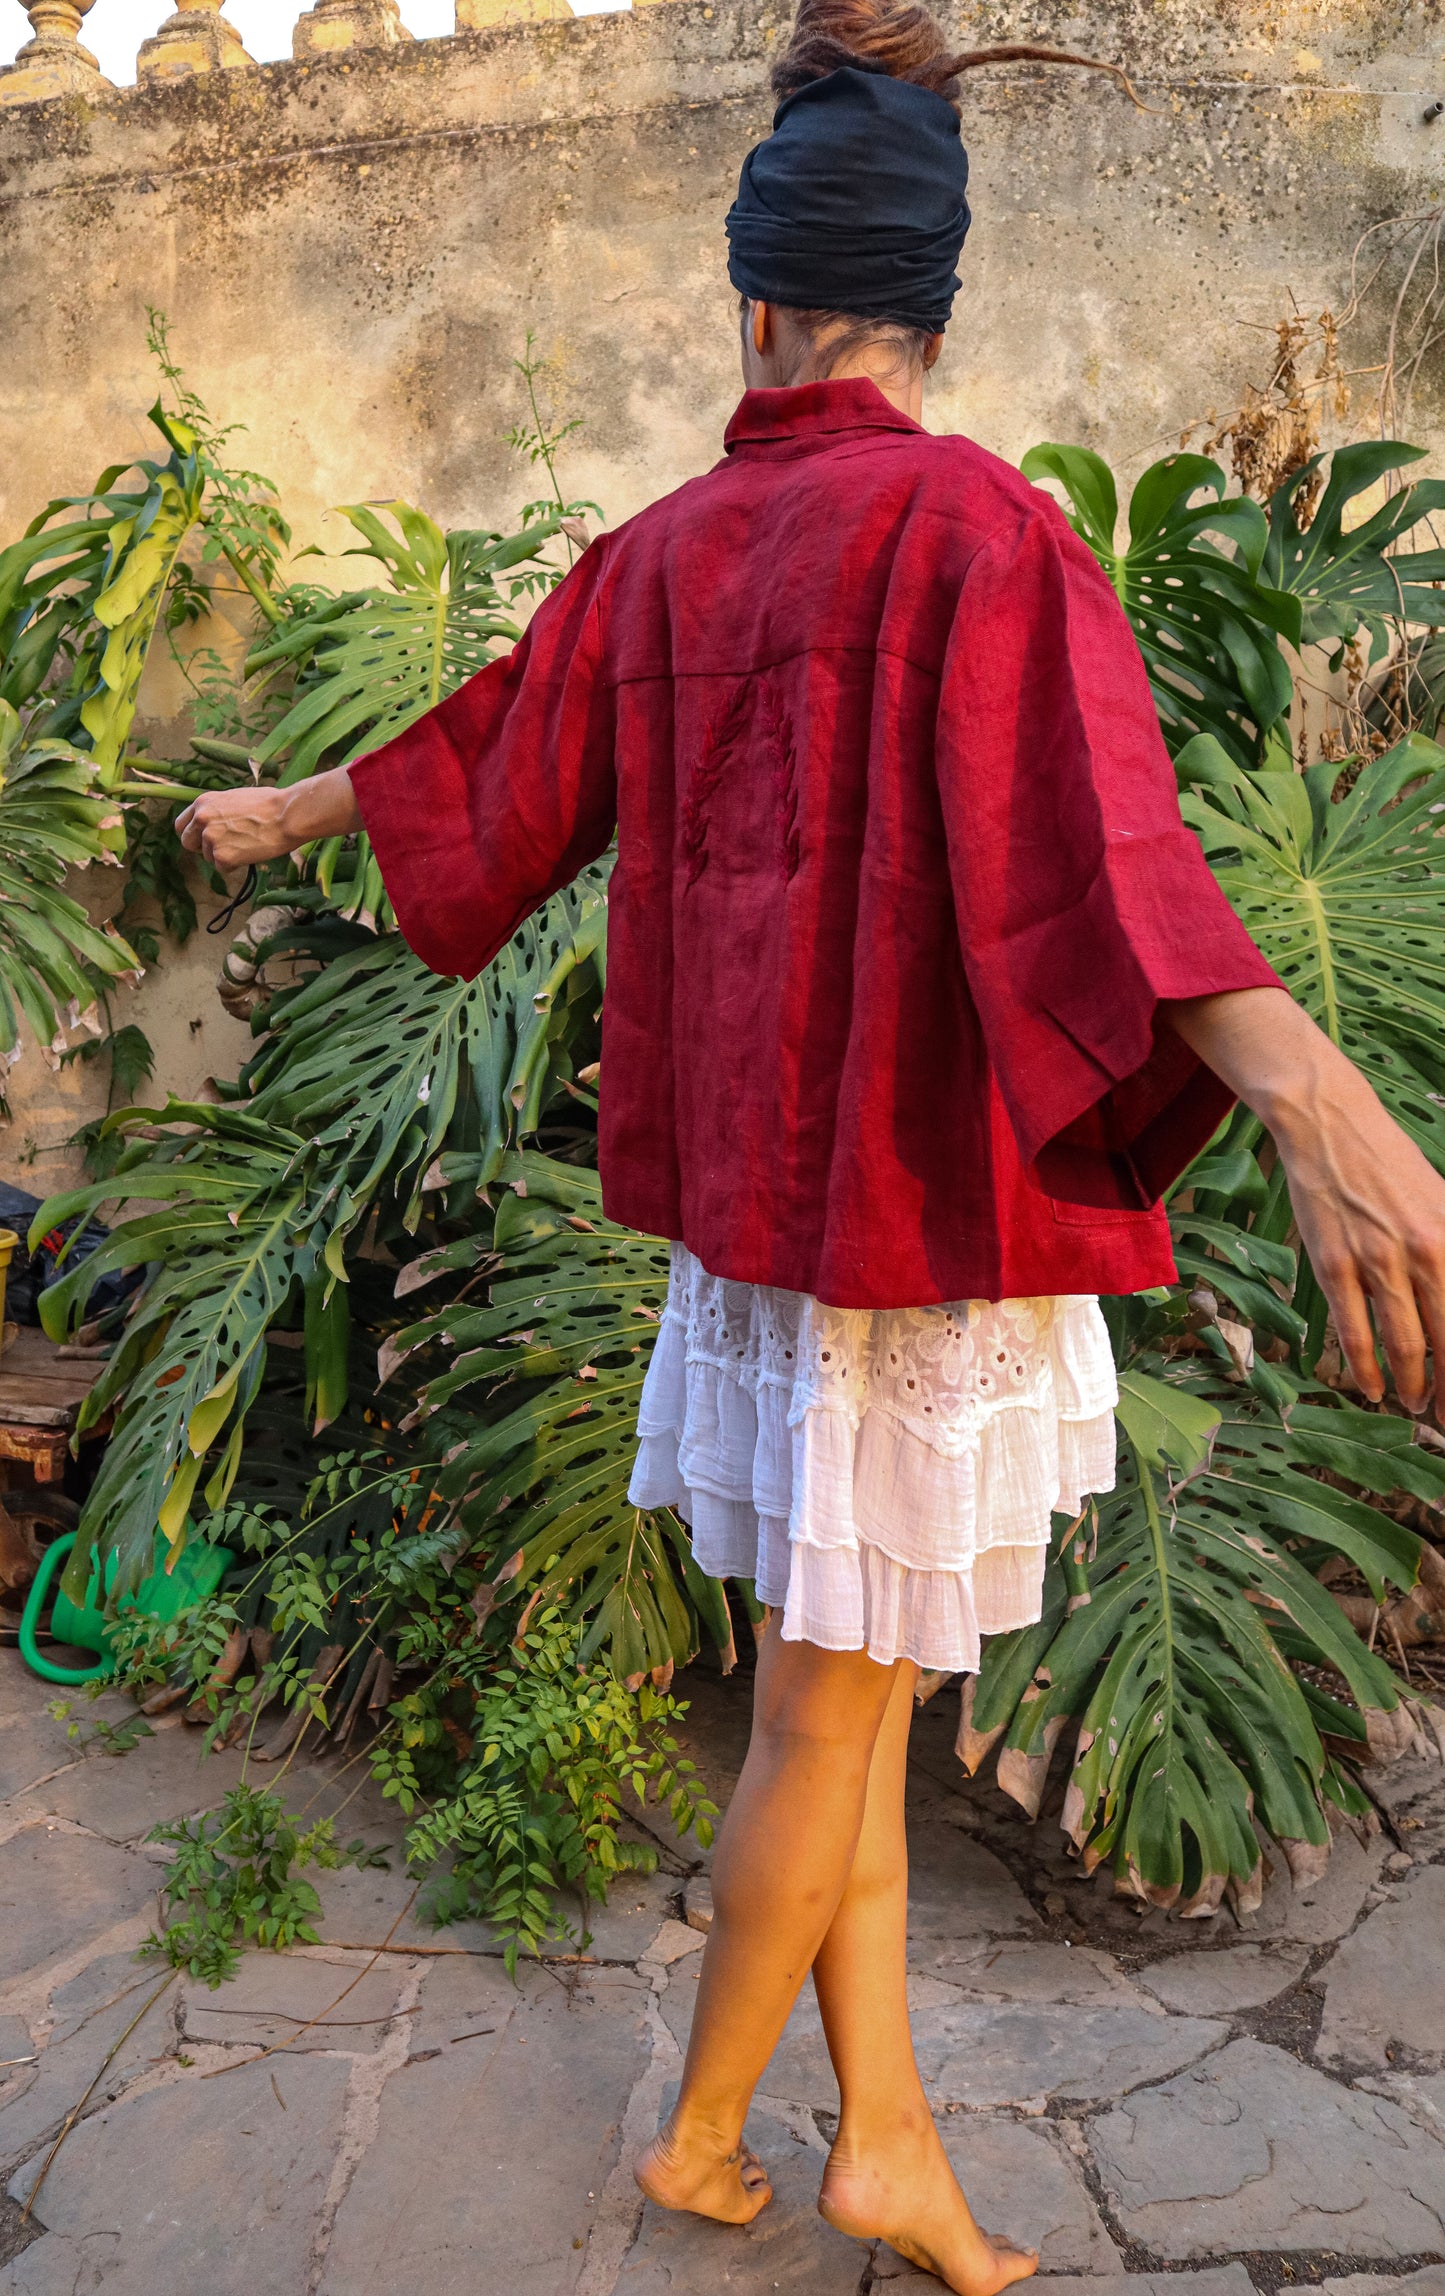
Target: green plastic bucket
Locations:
point(198, 1571)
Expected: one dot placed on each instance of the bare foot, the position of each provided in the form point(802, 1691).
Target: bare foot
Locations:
point(908, 2195)
point(683, 2172)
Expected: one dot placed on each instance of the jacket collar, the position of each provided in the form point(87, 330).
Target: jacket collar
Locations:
point(810, 413)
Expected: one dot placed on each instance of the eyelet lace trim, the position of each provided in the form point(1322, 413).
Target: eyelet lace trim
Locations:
point(887, 1476)
point(940, 1371)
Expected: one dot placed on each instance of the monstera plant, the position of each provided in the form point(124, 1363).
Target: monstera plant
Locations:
point(1188, 1642)
point(84, 594)
point(389, 1229)
point(375, 658)
point(54, 963)
point(1212, 583)
point(1340, 876)
point(372, 1066)
point(1187, 1639)
point(80, 593)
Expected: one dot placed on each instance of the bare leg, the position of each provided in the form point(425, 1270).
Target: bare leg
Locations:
point(888, 2176)
point(782, 1864)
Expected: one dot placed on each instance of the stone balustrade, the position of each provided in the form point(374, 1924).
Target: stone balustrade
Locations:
point(1274, 35)
point(200, 38)
point(53, 62)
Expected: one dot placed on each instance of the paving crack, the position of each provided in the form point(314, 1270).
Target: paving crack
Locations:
point(1136, 2258)
point(1274, 2270)
point(361, 2118)
point(798, 2120)
point(412, 1951)
point(619, 2211)
point(29, 1995)
point(46, 1778)
point(49, 2025)
point(1271, 2270)
point(14, 1822)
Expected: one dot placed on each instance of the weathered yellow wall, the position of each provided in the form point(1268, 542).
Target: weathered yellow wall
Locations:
point(351, 253)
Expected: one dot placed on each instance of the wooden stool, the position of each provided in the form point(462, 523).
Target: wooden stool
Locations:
point(42, 1387)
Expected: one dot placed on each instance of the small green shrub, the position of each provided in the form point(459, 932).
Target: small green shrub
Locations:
point(235, 1879)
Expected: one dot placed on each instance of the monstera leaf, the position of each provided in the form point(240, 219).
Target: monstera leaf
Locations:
point(1343, 888)
point(375, 659)
point(81, 591)
point(371, 1070)
point(549, 1371)
point(379, 1060)
point(1238, 1262)
point(1343, 578)
point(52, 817)
point(1189, 581)
point(1173, 1627)
point(224, 1257)
point(49, 581)
point(1211, 587)
point(378, 657)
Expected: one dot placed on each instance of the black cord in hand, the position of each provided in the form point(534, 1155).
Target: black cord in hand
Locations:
point(223, 917)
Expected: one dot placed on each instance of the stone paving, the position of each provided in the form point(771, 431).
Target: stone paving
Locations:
point(1246, 2107)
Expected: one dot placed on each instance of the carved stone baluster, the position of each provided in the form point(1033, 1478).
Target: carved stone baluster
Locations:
point(336, 24)
point(481, 15)
point(198, 38)
point(53, 63)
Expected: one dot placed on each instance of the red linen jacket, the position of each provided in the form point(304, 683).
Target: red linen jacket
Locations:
point(901, 876)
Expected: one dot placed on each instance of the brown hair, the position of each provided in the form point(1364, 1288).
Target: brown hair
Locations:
point(905, 40)
point(834, 335)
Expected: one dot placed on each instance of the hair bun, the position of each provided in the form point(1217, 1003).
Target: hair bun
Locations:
point(905, 40)
point(897, 37)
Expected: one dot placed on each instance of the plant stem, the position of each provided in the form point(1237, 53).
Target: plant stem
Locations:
point(76, 2110)
point(544, 444)
point(257, 589)
point(323, 2015)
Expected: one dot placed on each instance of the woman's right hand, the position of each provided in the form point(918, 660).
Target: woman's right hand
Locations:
point(235, 827)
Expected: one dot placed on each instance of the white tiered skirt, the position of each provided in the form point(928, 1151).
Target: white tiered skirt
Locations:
point(886, 1476)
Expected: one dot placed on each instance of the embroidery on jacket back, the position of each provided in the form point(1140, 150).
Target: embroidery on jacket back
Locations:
point(774, 735)
point(783, 761)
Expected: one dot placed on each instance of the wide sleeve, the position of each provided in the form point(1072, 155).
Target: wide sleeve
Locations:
point(500, 794)
point(1083, 901)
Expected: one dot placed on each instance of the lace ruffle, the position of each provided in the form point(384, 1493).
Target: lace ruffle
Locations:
point(886, 1476)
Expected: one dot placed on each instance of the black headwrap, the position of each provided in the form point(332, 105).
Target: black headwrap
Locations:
point(855, 202)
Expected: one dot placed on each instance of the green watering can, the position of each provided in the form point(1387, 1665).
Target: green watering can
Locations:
point(197, 1573)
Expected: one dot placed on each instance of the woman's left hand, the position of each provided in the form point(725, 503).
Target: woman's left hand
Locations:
point(1370, 1207)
